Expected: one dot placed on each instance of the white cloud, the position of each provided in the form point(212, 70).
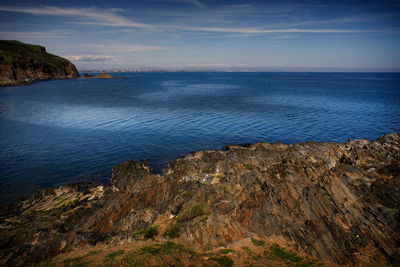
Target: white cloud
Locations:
point(193, 2)
point(116, 48)
point(284, 37)
point(267, 31)
point(92, 16)
point(27, 35)
point(111, 17)
point(89, 58)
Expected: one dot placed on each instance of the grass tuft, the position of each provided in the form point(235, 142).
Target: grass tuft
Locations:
point(150, 232)
point(224, 261)
point(173, 231)
point(258, 243)
point(114, 254)
point(283, 254)
point(226, 251)
point(191, 213)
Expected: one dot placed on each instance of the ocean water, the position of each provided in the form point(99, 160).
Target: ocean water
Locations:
point(64, 131)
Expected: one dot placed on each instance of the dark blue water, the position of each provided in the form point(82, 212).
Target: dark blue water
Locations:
point(64, 131)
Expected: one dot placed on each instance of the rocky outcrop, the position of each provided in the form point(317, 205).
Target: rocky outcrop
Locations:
point(102, 75)
point(24, 63)
point(337, 202)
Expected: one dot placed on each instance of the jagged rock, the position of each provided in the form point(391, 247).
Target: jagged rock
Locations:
point(22, 63)
point(336, 202)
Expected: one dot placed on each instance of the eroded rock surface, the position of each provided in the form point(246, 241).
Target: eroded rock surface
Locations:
point(336, 202)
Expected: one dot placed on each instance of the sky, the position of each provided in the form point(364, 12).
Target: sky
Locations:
point(211, 35)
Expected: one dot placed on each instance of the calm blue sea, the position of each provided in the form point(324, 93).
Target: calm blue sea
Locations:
point(63, 131)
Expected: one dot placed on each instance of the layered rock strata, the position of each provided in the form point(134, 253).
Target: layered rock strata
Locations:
point(338, 202)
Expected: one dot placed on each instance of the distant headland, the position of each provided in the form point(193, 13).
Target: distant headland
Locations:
point(22, 63)
point(102, 75)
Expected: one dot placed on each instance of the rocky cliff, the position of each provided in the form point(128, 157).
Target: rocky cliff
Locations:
point(335, 202)
point(24, 63)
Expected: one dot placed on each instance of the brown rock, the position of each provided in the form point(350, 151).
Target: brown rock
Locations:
point(303, 194)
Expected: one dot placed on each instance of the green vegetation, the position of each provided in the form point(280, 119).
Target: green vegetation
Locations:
point(224, 261)
point(76, 262)
point(258, 243)
point(138, 233)
point(281, 253)
point(110, 259)
point(226, 251)
point(249, 167)
point(247, 249)
point(28, 52)
point(91, 253)
point(257, 257)
point(64, 203)
point(393, 212)
point(142, 256)
point(204, 219)
point(109, 237)
point(114, 254)
point(191, 213)
point(164, 248)
point(150, 232)
point(174, 231)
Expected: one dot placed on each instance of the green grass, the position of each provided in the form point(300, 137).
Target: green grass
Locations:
point(224, 261)
point(27, 53)
point(114, 254)
point(249, 167)
point(150, 232)
point(393, 212)
point(247, 249)
point(91, 253)
point(204, 219)
point(76, 262)
point(257, 257)
point(164, 248)
point(138, 233)
point(258, 243)
point(191, 213)
point(282, 254)
point(141, 256)
point(226, 251)
point(174, 231)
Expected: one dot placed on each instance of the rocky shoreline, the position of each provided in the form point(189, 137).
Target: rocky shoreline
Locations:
point(336, 202)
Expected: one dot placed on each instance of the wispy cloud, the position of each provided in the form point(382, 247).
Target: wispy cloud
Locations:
point(267, 31)
point(29, 35)
point(193, 2)
point(105, 17)
point(284, 37)
point(123, 47)
point(111, 17)
point(89, 58)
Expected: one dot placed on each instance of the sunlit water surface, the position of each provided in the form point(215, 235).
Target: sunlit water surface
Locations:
point(65, 131)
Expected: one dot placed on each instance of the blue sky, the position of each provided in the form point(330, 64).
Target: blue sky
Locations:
point(212, 35)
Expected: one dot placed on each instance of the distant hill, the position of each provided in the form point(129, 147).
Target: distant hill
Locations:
point(22, 63)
